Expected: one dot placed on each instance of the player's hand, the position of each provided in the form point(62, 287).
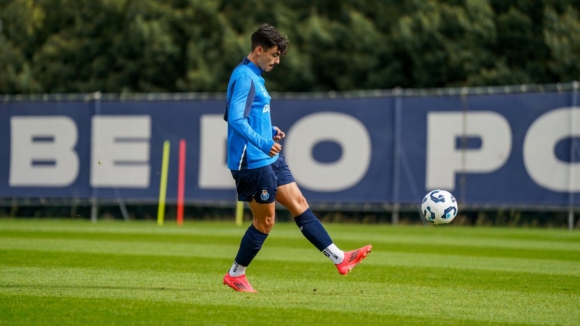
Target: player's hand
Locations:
point(276, 148)
point(279, 134)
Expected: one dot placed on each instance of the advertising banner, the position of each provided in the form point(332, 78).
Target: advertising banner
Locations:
point(495, 149)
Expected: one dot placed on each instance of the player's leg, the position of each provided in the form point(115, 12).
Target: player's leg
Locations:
point(290, 196)
point(258, 187)
point(252, 241)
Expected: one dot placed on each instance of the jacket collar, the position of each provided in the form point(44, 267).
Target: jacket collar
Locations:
point(252, 66)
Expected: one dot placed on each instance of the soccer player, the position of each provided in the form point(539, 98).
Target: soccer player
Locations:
point(261, 174)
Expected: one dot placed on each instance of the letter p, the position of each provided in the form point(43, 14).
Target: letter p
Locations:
point(445, 159)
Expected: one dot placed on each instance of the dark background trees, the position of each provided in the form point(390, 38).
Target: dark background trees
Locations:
point(66, 46)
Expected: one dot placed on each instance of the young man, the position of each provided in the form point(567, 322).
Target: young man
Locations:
point(259, 169)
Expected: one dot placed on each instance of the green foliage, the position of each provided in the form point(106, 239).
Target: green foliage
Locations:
point(563, 40)
point(445, 44)
point(60, 46)
point(20, 22)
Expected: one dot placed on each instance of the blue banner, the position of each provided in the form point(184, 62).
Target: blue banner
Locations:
point(497, 150)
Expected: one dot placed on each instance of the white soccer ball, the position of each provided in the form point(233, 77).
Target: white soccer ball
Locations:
point(439, 207)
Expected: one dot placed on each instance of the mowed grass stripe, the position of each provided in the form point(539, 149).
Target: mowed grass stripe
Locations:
point(224, 227)
point(290, 254)
point(490, 248)
point(311, 272)
point(383, 237)
point(64, 311)
point(296, 293)
point(545, 239)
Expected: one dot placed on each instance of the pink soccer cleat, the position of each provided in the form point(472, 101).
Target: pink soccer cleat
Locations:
point(238, 283)
point(353, 258)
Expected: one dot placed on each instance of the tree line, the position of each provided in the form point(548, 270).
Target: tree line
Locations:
point(69, 46)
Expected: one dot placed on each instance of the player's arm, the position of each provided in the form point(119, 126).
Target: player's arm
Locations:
point(239, 109)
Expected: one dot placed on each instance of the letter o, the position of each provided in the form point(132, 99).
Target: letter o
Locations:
point(341, 128)
point(539, 158)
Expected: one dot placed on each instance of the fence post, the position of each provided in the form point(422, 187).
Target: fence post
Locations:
point(397, 154)
point(94, 201)
point(572, 158)
point(462, 179)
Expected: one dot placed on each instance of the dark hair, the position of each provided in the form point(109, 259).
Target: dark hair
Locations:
point(267, 36)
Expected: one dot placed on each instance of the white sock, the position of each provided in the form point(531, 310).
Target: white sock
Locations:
point(335, 254)
point(237, 270)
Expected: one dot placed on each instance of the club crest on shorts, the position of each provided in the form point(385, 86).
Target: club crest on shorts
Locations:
point(264, 195)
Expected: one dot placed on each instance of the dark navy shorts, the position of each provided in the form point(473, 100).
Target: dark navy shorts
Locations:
point(261, 183)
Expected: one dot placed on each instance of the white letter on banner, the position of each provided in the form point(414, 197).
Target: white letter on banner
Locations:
point(444, 159)
point(341, 128)
point(213, 166)
point(539, 157)
point(120, 151)
point(42, 151)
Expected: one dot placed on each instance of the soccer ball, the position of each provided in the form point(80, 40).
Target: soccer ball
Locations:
point(439, 207)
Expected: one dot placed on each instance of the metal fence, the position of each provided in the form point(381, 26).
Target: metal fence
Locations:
point(493, 147)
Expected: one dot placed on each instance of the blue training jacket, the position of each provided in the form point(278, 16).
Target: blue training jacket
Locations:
point(250, 128)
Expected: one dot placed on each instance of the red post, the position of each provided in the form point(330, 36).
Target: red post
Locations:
point(181, 182)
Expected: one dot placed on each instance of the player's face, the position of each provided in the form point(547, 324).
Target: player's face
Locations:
point(268, 59)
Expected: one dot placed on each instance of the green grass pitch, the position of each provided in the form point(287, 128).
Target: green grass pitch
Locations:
point(62, 272)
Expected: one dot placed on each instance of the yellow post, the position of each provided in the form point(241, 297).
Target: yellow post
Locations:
point(239, 213)
point(163, 184)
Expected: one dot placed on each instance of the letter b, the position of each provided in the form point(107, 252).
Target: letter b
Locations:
point(42, 151)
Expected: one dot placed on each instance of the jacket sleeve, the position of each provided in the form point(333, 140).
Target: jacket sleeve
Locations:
point(239, 106)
